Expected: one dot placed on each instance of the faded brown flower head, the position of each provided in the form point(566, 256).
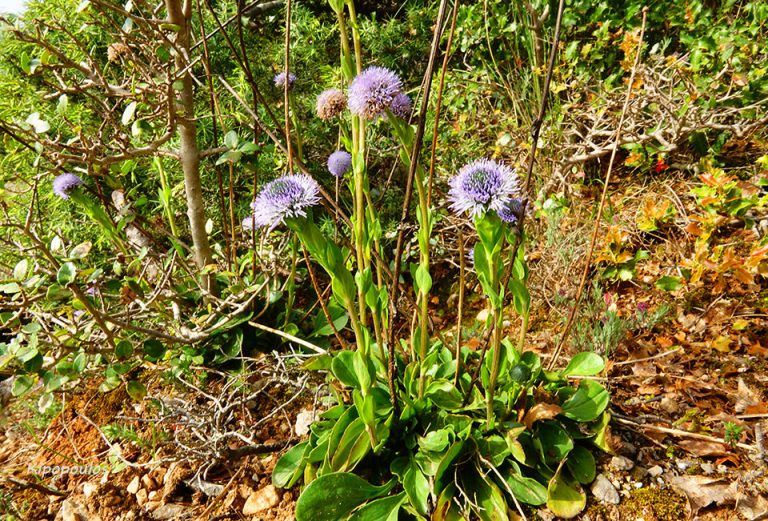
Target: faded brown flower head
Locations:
point(117, 51)
point(330, 103)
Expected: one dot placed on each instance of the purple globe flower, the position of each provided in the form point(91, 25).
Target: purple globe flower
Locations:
point(481, 186)
point(280, 80)
point(64, 183)
point(510, 211)
point(401, 106)
point(285, 197)
point(339, 163)
point(330, 103)
point(373, 91)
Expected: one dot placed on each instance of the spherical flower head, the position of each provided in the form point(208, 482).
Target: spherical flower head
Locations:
point(481, 186)
point(330, 103)
point(373, 91)
point(401, 106)
point(339, 163)
point(285, 197)
point(511, 210)
point(64, 183)
point(280, 80)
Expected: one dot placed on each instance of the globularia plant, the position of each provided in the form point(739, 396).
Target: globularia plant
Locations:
point(429, 432)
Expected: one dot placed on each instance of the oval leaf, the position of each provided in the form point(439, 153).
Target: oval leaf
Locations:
point(333, 496)
point(565, 500)
point(66, 273)
point(585, 364)
point(384, 509)
point(587, 403)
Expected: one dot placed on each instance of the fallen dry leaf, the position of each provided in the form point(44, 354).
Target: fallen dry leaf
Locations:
point(541, 411)
point(753, 508)
point(745, 397)
point(703, 448)
point(702, 491)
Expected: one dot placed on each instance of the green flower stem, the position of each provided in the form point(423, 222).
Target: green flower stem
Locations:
point(355, 35)
point(165, 198)
point(490, 269)
point(291, 282)
point(425, 230)
point(360, 236)
point(346, 53)
point(495, 363)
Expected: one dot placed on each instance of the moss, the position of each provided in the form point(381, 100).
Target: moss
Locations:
point(654, 504)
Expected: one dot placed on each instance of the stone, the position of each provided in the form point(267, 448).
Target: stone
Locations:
point(655, 471)
point(483, 315)
point(261, 500)
point(303, 420)
point(621, 463)
point(168, 511)
point(152, 505)
point(89, 489)
point(604, 491)
point(133, 486)
point(142, 497)
point(148, 482)
point(72, 511)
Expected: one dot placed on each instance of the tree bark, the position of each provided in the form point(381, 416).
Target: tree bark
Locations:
point(180, 14)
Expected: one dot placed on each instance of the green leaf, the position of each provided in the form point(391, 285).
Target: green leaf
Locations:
point(443, 475)
point(434, 441)
point(153, 349)
point(668, 283)
point(487, 496)
point(343, 368)
point(417, 488)
point(352, 447)
point(123, 349)
point(565, 500)
point(231, 139)
point(230, 156)
point(22, 384)
point(446, 508)
point(585, 364)
point(552, 441)
point(78, 364)
point(525, 489)
point(581, 464)
point(54, 382)
point(423, 279)
point(66, 273)
point(587, 403)
point(444, 394)
point(136, 390)
point(20, 270)
point(290, 467)
point(332, 497)
point(384, 509)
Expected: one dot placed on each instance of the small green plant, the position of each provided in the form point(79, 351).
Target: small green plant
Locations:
point(617, 257)
point(733, 433)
